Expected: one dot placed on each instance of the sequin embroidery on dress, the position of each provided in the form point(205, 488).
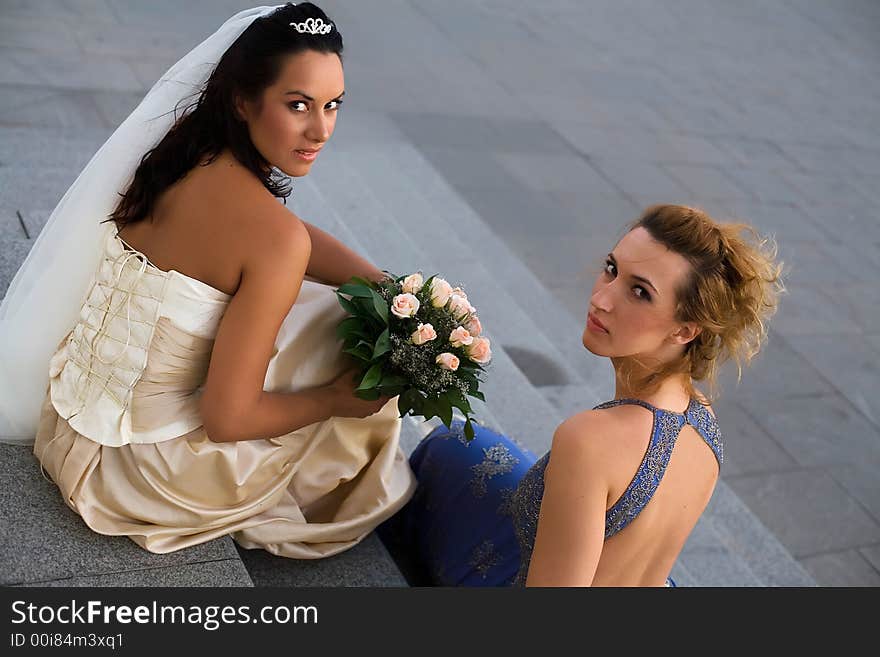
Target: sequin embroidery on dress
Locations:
point(666, 429)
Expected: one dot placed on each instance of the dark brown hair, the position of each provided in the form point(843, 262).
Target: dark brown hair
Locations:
point(210, 124)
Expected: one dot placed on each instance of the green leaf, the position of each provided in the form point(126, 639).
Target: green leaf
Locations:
point(360, 352)
point(468, 430)
point(402, 407)
point(410, 400)
point(429, 408)
point(458, 401)
point(355, 290)
point(350, 326)
point(371, 378)
point(395, 380)
point(479, 395)
point(472, 381)
point(367, 311)
point(380, 306)
point(348, 305)
point(383, 344)
point(444, 409)
point(394, 384)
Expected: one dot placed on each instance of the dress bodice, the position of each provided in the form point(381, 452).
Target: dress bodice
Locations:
point(666, 429)
point(131, 368)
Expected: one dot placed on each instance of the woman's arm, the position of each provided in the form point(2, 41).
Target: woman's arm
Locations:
point(234, 405)
point(571, 524)
point(334, 263)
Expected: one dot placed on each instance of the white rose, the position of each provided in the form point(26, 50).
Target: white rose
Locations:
point(404, 305)
point(425, 333)
point(413, 283)
point(448, 361)
point(459, 337)
point(440, 292)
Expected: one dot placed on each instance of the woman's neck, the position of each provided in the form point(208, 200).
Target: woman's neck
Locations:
point(671, 393)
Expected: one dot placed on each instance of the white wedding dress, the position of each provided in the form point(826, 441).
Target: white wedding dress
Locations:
point(121, 436)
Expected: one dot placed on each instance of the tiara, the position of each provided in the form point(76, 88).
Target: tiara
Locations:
point(313, 26)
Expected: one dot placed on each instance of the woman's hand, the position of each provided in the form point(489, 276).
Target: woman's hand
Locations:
point(344, 403)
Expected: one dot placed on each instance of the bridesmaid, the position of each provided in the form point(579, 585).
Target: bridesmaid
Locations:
point(623, 485)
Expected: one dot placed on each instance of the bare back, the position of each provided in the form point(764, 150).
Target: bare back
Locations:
point(201, 225)
point(645, 552)
point(220, 225)
point(619, 492)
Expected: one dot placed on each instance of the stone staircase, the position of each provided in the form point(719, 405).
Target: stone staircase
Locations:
point(386, 201)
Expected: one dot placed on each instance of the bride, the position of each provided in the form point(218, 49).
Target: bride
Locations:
point(183, 320)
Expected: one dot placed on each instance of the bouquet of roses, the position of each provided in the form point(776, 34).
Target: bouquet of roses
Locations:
point(417, 339)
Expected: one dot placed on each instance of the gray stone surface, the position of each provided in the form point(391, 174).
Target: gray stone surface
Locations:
point(717, 566)
point(481, 134)
point(872, 554)
point(861, 481)
point(852, 365)
point(777, 372)
point(59, 545)
point(848, 568)
point(366, 564)
point(708, 182)
point(13, 251)
point(819, 431)
point(748, 449)
point(745, 533)
point(811, 310)
point(223, 572)
point(809, 511)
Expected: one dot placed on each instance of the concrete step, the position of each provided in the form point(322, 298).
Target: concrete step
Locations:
point(46, 544)
point(365, 564)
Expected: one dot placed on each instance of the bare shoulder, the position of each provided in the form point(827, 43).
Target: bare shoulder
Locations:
point(249, 222)
point(605, 431)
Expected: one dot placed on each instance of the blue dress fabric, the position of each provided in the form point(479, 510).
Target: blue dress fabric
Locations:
point(473, 518)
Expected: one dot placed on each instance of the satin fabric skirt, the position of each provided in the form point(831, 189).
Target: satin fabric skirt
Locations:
point(309, 494)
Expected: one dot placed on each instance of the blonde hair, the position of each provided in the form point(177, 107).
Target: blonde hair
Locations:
point(731, 292)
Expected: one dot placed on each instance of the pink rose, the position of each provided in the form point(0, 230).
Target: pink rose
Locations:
point(479, 351)
point(459, 337)
point(459, 306)
point(440, 292)
point(404, 305)
point(473, 325)
point(459, 292)
point(425, 333)
point(448, 361)
point(413, 283)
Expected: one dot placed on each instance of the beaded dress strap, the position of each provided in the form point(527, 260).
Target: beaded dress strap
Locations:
point(622, 402)
point(696, 415)
point(664, 433)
